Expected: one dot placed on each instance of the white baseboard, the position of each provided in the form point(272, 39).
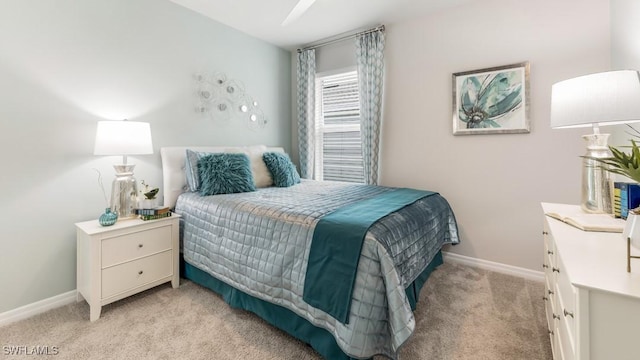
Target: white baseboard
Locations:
point(53, 302)
point(494, 266)
point(37, 307)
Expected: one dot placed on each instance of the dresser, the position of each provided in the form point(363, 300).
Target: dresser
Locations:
point(592, 303)
point(117, 261)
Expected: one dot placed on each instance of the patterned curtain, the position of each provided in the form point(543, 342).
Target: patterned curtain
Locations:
point(370, 58)
point(306, 110)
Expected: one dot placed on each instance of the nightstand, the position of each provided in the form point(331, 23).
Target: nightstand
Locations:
point(131, 256)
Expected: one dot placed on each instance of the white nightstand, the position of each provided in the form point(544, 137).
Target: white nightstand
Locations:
point(117, 261)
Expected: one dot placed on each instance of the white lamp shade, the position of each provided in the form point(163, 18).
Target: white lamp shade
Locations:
point(123, 138)
point(606, 98)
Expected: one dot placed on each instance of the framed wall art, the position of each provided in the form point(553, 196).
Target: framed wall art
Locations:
point(491, 101)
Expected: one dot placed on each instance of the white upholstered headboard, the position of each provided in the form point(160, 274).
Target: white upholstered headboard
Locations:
point(173, 160)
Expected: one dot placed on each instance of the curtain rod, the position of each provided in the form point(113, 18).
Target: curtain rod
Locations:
point(332, 41)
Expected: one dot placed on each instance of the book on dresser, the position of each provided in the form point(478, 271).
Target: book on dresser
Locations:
point(159, 212)
point(153, 211)
point(589, 222)
point(156, 216)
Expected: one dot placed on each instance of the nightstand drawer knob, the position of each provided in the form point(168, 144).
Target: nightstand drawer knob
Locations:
point(556, 316)
point(545, 233)
point(544, 298)
point(545, 266)
point(555, 270)
point(550, 332)
point(550, 292)
point(566, 313)
point(549, 252)
point(140, 245)
point(140, 272)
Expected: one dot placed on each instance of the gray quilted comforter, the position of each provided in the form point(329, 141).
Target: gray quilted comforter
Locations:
point(258, 242)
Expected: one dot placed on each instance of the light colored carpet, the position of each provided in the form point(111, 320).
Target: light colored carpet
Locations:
point(463, 313)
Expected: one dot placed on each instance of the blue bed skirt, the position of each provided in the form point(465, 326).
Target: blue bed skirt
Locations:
point(320, 339)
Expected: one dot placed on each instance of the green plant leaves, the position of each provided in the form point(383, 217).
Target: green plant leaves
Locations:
point(622, 163)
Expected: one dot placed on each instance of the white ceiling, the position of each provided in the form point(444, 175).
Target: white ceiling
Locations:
point(324, 19)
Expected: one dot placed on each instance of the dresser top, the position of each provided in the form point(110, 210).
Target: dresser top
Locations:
point(594, 260)
point(93, 227)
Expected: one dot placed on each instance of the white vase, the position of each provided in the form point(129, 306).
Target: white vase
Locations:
point(632, 229)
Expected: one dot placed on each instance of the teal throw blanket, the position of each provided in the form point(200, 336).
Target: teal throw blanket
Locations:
point(336, 246)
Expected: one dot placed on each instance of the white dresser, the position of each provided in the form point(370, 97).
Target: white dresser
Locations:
point(592, 303)
point(117, 261)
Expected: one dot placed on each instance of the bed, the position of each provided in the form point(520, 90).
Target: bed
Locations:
point(257, 249)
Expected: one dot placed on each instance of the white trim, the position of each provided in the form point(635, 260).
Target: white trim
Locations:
point(494, 266)
point(53, 302)
point(332, 72)
point(37, 307)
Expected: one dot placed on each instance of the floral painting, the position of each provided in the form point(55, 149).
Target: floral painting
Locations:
point(491, 101)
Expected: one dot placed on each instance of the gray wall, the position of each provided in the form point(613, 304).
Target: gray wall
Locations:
point(66, 64)
point(625, 54)
point(625, 32)
point(495, 183)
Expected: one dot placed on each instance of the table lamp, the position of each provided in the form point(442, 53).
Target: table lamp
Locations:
point(123, 138)
point(607, 98)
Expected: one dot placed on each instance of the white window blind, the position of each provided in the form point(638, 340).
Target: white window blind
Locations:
point(338, 143)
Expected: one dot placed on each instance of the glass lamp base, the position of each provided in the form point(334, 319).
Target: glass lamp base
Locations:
point(596, 185)
point(124, 192)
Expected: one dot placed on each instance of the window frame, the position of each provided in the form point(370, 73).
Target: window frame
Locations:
point(320, 129)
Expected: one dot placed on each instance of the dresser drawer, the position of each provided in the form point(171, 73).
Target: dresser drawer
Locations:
point(565, 341)
point(135, 245)
point(566, 302)
point(549, 306)
point(127, 276)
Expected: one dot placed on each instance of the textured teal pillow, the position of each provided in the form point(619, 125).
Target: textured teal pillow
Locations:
point(282, 170)
point(225, 174)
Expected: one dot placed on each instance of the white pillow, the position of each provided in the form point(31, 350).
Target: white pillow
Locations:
point(261, 175)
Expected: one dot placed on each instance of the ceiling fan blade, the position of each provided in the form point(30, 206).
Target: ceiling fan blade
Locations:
point(297, 11)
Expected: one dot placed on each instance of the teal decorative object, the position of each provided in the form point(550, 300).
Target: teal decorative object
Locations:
point(225, 173)
point(282, 170)
point(108, 218)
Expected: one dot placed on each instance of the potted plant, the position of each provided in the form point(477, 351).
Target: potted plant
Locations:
point(149, 199)
point(627, 164)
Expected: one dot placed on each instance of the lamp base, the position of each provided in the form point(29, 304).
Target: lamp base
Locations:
point(124, 192)
point(596, 185)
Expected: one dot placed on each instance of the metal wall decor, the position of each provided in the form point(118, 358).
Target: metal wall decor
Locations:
point(225, 100)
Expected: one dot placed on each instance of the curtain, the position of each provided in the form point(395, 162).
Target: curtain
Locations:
point(370, 59)
point(306, 111)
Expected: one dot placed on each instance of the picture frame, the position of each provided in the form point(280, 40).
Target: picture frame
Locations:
point(491, 100)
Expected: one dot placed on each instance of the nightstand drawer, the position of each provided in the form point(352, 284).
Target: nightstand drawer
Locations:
point(130, 275)
point(127, 247)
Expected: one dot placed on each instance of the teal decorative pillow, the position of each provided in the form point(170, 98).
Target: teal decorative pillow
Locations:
point(225, 174)
point(282, 170)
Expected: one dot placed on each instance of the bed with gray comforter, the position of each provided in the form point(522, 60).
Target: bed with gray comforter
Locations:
point(259, 242)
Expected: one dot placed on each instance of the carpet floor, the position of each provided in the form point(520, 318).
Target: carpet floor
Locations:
point(463, 313)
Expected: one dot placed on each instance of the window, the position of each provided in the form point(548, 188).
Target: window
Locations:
point(338, 146)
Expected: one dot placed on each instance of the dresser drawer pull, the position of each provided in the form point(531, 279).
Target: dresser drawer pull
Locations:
point(550, 332)
point(140, 245)
point(544, 298)
point(555, 270)
point(550, 292)
point(566, 313)
point(544, 232)
point(140, 272)
point(545, 266)
point(549, 252)
point(556, 316)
